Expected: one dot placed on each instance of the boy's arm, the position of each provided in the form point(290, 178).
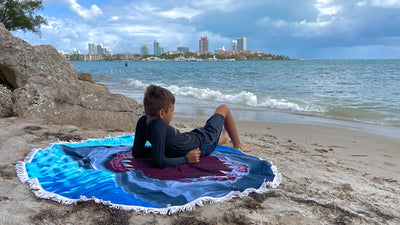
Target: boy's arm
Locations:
point(158, 137)
point(138, 150)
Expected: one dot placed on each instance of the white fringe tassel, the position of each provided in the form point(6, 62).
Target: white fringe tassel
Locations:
point(41, 193)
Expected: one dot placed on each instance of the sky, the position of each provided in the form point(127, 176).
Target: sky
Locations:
point(301, 29)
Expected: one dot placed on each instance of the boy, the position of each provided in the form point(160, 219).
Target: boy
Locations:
point(169, 147)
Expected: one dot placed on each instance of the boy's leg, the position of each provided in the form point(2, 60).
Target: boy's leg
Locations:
point(224, 138)
point(230, 127)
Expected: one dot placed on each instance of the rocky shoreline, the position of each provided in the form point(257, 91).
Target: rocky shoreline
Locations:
point(43, 85)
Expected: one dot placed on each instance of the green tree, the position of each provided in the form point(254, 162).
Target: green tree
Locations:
point(21, 15)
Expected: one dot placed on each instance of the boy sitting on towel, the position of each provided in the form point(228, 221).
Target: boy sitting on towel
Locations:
point(169, 147)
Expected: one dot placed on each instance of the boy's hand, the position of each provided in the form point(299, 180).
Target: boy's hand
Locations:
point(194, 156)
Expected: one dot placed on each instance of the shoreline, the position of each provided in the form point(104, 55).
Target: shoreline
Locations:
point(358, 142)
point(275, 116)
point(331, 175)
point(185, 108)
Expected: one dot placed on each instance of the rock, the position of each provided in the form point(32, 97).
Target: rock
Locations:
point(19, 61)
point(85, 77)
point(6, 105)
point(48, 88)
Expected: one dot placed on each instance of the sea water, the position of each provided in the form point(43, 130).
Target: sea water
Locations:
point(309, 91)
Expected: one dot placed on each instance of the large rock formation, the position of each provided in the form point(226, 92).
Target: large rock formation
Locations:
point(45, 86)
point(6, 106)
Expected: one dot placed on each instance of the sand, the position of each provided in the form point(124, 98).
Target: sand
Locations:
point(330, 176)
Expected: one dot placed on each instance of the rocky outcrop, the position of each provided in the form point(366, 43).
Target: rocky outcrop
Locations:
point(45, 86)
point(85, 77)
point(6, 106)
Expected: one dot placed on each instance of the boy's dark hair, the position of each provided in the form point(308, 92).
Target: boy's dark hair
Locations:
point(157, 98)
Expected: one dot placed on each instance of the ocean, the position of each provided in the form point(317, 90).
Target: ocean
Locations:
point(357, 94)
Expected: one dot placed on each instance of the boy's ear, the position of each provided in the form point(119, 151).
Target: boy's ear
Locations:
point(161, 113)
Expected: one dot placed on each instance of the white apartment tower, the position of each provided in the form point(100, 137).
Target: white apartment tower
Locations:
point(100, 49)
point(92, 48)
point(158, 49)
point(234, 45)
point(241, 43)
point(145, 50)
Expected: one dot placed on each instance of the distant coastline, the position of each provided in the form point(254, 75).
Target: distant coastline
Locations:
point(246, 55)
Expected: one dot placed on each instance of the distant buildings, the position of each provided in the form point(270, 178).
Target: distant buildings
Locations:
point(158, 49)
point(145, 50)
point(238, 51)
point(132, 56)
point(76, 52)
point(92, 48)
point(99, 49)
point(219, 51)
point(203, 44)
point(234, 45)
point(241, 44)
point(183, 49)
point(91, 57)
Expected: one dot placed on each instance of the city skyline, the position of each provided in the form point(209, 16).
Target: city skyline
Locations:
point(299, 29)
point(98, 49)
point(159, 50)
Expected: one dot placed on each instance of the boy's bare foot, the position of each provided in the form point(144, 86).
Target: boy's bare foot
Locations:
point(224, 138)
point(244, 148)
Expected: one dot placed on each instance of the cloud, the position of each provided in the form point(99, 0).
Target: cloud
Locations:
point(385, 3)
point(181, 12)
point(221, 5)
point(380, 3)
point(86, 14)
point(295, 28)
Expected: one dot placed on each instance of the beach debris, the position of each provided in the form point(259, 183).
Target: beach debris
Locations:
point(253, 205)
point(31, 129)
point(321, 150)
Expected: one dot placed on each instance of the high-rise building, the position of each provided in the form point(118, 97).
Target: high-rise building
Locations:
point(241, 43)
point(108, 52)
point(203, 44)
point(158, 49)
point(100, 49)
point(92, 48)
point(145, 50)
point(76, 51)
point(234, 45)
point(183, 49)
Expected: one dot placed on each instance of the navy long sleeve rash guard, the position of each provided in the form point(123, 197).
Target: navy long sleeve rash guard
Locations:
point(169, 147)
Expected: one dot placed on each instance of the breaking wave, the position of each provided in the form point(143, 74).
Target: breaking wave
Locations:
point(243, 97)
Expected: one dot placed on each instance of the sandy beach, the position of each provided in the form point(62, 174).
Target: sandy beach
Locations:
point(330, 176)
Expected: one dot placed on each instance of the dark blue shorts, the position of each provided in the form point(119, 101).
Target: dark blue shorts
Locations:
point(210, 133)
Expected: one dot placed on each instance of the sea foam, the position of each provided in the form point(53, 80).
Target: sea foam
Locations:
point(243, 97)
